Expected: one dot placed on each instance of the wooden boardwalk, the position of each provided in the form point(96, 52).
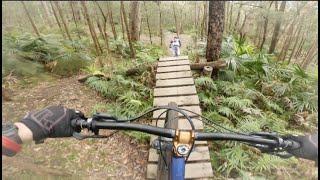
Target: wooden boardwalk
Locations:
point(174, 83)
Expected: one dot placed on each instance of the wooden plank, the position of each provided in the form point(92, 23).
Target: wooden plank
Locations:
point(199, 153)
point(173, 75)
point(195, 109)
point(174, 91)
point(173, 58)
point(173, 68)
point(182, 124)
point(174, 82)
point(193, 170)
point(173, 63)
point(180, 100)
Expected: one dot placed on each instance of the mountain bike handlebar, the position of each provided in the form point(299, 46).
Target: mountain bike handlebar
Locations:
point(267, 139)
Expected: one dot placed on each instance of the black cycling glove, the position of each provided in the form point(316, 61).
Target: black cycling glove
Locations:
point(308, 147)
point(52, 121)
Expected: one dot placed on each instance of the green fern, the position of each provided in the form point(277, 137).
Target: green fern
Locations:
point(206, 82)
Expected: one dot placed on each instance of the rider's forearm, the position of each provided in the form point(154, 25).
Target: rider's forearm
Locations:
point(24, 132)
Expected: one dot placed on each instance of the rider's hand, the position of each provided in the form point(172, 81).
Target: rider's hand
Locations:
point(308, 146)
point(52, 121)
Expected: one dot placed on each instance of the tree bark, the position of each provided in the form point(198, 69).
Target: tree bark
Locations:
point(46, 11)
point(265, 27)
point(111, 20)
point(160, 23)
point(175, 19)
point(230, 19)
point(135, 20)
point(133, 55)
point(74, 17)
point(299, 50)
point(215, 30)
point(310, 55)
point(122, 24)
point(91, 28)
point(277, 29)
point(295, 44)
point(287, 43)
point(57, 19)
point(204, 20)
point(147, 16)
point(30, 19)
point(63, 20)
point(238, 18)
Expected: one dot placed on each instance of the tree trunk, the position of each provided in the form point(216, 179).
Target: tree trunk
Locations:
point(63, 20)
point(299, 50)
point(122, 24)
point(295, 44)
point(265, 28)
point(277, 29)
point(57, 19)
point(104, 20)
point(160, 23)
point(286, 43)
point(30, 19)
point(175, 19)
point(204, 20)
point(111, 20)
point(46, 11)
point(134, 20)
point(242, 33)
point(215, 31)
point(237, 20)
point(74, 18)
point(230, 18)
point(133, 55)
point(310, 55)
point(147, 16)
point(91, 28)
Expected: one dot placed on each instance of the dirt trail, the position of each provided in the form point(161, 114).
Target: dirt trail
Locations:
point(119, 157)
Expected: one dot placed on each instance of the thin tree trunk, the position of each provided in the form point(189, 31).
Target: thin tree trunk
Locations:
point(286, 43)
point(111, 20)
point(57, 19)
point(215, 32)
point(175, 20)
point(134, 20)
point(30, 19)
point(74, 18)
point(204, 20)
point(230, 19)
point(45, 8)
point(63, 20)
point(265, 28)
point(295, 44)
point(277, 28)
point(237, 20)
point(242, 34)
point(310, 55)
point(160, 23)
point(226, 20)
point(301, 44)
point(122, 24)
point(147, 16)
point(133, 55)
point(106, 38)
point(91, 28)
